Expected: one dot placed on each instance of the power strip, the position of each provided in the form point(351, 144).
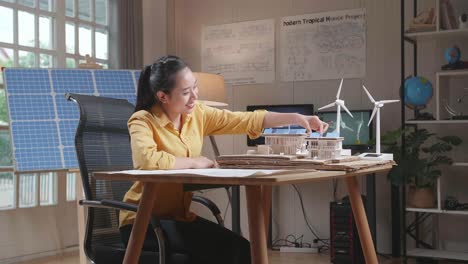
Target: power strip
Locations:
point(298, 250)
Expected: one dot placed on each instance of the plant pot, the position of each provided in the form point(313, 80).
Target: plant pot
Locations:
point(421, 197)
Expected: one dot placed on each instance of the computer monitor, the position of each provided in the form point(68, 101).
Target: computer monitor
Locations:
point(355, 131)
point(305, 109)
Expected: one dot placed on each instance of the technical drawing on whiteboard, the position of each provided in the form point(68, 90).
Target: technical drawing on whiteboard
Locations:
point(321, 46)
point(242, 52)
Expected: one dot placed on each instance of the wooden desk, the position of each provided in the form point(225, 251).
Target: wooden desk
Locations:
point(258, 192)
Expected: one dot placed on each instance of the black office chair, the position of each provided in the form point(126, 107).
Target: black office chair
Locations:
point(102, 143)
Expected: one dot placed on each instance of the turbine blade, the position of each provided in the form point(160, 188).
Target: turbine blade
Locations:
point(372, 116)
point(327, 106)
point(339, 89)
point(368, 94)
point(389, 101)
point(346, 109)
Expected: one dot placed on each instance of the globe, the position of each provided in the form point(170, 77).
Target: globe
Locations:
point(418, 92)
point(452, 55)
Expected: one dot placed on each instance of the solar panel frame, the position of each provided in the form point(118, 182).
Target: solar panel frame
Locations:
point(42, 134)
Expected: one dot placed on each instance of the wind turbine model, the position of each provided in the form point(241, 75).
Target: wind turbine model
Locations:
point(339, 104)
point(377, 106)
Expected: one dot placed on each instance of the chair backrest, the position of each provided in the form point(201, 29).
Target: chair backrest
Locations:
point(102, 143)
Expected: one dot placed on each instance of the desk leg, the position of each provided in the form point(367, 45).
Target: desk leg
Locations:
point(235, 206)
point(137, 237)
point(258, 247)
point(361, 221)
point(266, 193)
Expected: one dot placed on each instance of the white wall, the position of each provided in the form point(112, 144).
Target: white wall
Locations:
point(154, 29)
point(383, 78)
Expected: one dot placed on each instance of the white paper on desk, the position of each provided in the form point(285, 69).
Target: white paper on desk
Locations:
point(204, 172)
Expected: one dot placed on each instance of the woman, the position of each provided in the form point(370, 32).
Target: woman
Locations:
point(167, 131)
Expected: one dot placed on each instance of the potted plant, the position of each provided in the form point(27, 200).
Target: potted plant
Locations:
point(419, 167)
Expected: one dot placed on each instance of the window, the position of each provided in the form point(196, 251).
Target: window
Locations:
point(28, 33)
point(45, 34)
point(86, 31)
point(40, 40)
point(48, 188)
point(7, 190)
point(71, 186)
point(27, 190)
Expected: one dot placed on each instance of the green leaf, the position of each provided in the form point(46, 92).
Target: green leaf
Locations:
point(418, 163)
point(439, 160)
point(434, 174)
point(453, 140)
point(438, 147)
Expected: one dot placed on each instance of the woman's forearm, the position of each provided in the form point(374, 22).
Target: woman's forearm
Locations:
point(273, 119)
point(192, 163)
point(183, 163)
point(310, 123)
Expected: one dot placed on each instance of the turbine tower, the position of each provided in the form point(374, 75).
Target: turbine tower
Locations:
point(339, 104)
point(377, 106)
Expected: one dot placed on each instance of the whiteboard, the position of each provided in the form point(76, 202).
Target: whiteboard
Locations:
point(243, 53)
point(330, 45)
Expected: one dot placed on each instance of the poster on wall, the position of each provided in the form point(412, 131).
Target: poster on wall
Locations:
point(244, 53)
point(330, 45)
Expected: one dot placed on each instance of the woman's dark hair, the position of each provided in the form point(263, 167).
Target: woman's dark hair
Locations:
point(159, 76)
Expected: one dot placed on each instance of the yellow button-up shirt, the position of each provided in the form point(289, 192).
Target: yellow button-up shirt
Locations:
point(155, 144)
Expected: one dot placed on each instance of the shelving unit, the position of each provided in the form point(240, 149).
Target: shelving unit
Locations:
point(453, 33)
point(442, 93)
point(436, 211)
point(437, 254)
point(461, 164)
point(435, 122)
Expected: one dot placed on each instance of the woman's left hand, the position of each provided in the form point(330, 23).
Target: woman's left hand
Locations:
point(312, 123)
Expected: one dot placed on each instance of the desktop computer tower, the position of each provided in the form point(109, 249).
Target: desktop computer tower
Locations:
point(345, 247)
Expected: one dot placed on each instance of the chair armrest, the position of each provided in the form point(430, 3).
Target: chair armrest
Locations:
point(155, 222)
point(121, 205)
point(111, 204)
point(210, 205)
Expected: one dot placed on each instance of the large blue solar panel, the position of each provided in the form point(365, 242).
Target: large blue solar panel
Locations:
point(38, 158)
point(67, 131)
point(114, 82)
point(30, 82)
point(34, 159)
point(30, 135)
point(31, 107)
point(43, 123)
point(70, 159)
point(73, 81)
point(66, 109)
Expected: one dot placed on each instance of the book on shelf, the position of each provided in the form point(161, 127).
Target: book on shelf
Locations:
point(447, 15)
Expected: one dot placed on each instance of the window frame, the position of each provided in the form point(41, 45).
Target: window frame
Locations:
point(77, 21)
point(36, 49)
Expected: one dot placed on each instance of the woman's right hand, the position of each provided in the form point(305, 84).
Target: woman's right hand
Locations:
point(202, 163)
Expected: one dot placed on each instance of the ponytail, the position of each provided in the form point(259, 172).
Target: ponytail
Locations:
point(159, 76)
point(145, 98)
